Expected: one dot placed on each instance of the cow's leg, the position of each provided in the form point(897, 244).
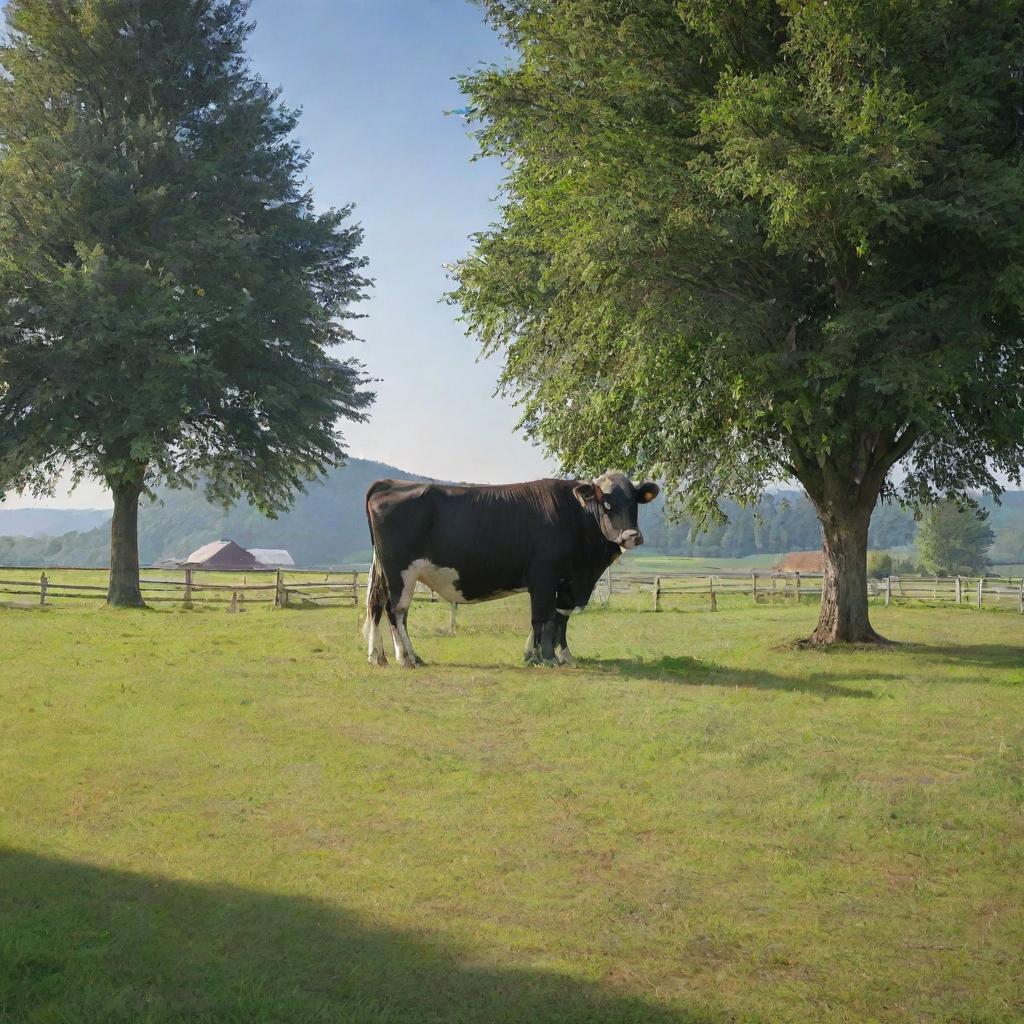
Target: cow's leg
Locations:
point(532, 653)
point(375, 642)
point(542, 615)
point(563, 609)
point(412, 659)
point(401, 588)
point(405, 655)
point(562, 651)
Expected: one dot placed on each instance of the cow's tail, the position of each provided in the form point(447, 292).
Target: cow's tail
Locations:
point(376, 595)
point(376, 584)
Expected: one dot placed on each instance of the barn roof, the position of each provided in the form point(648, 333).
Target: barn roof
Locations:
point(273, 557)
point(802, 561)
point(222, 554)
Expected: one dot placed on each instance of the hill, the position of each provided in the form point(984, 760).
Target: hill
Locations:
point(50, 522)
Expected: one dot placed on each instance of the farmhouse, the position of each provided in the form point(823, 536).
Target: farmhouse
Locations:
point(222, 554)
point(802, 561)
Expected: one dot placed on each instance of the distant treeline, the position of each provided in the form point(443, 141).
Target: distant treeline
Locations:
point(85, 550)
point(781, 521)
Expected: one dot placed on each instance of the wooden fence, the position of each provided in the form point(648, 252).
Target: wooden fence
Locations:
point(347, 587)
point(764, 587)
point(191, 587)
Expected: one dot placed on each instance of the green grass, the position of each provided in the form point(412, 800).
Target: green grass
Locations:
point(212, 817)
point(679, 563)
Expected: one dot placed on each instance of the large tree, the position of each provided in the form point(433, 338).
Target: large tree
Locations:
point(744, 240)
point(169, 298)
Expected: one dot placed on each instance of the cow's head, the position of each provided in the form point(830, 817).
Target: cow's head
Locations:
point(614, 500)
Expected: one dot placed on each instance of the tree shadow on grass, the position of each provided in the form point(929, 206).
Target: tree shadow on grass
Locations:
point(983, 655)
point(84, 944)
point(686, 671)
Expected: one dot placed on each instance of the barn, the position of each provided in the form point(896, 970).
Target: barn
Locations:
point(224, 555)
point(802, 561)
point(273, 558)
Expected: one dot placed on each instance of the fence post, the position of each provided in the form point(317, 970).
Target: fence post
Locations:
point(753, 587)
point(279, 596)
point(188, 588)
point(355, 588)
point(888, 591)
point(959, 591)
point(714, 597)
point(1020, 598)
point(798, 588)
point(656, 591)
point(234, 602)
point(981, 591)
point(455, 610)
point(43, 580)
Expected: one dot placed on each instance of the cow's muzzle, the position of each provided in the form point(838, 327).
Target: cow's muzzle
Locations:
point(630, 539)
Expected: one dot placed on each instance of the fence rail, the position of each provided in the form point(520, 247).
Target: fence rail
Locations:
point(338, 588)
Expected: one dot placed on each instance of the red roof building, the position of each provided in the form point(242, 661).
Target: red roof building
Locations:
point(802, 561)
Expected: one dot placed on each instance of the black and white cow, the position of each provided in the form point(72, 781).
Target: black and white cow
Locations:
point(552, 538)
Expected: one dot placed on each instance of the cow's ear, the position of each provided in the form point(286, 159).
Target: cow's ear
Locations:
point(586, 493)
point(647, 492)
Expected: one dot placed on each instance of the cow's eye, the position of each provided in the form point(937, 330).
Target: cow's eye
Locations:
point(608, 506)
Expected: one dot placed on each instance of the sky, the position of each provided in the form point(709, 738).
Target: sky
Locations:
point(374, 79)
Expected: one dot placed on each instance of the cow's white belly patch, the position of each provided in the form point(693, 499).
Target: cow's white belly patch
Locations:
point(440, 579)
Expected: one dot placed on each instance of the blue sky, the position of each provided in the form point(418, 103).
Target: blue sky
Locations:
point(374, 78)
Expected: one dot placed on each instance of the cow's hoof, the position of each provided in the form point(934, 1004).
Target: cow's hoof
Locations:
point(531, 658)
point(565, 658)
point(379, 662)
point(550, 663)
point(419, 662)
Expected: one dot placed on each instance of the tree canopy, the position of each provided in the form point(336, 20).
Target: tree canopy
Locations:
point(169, 297)
point(746, 239)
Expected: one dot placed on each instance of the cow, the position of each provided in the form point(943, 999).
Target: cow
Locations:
point(551, 538)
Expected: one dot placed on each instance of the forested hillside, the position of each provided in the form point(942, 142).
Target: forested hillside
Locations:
point(49, 522)
point(327, 526)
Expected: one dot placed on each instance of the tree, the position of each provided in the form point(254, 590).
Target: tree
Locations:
point(954, 539)
point(168, 296)
point(744, 240)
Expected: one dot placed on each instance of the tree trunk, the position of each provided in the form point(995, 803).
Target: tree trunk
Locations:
point(844, 595)
point(123, 590)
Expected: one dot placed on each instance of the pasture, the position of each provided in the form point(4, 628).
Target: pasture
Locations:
point(213, 817)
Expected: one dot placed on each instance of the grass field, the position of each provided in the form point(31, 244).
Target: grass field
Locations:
point(232, 818)
point(678, 563)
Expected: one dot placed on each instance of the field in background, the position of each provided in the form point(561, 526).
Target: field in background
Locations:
point(677, 563)
point(233, 818)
